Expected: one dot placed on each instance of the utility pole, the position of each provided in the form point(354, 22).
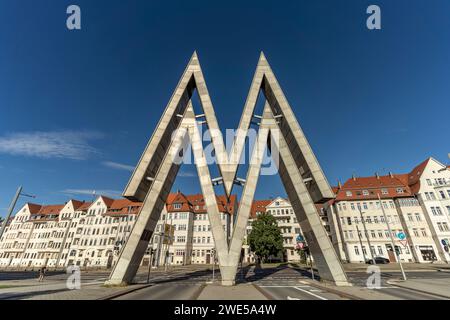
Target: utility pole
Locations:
point(366, 233)
point(360, 242)
point(392, 239)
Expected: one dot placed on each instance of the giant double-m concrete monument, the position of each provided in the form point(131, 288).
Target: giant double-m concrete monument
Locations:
point(299, 170)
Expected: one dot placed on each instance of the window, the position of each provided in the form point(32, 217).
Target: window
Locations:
point(177, 206)
point(400, 190)
point(349, 221)
point(410, 217)
point(418, 218)
point(348, 193)
point(429, 182)
point(424, 232)
point(442, 194)
point(384, 191)
point(356, 250)
point(365, 192)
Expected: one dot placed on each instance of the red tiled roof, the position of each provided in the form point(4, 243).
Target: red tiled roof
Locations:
point(124, 206)
point(259, 206)
point(51, 209)
point(415, 174)
point(195, 203)
point(34, 208)
point(108, 201)
point(77, 204)
point(374, 186)
point(84, 207)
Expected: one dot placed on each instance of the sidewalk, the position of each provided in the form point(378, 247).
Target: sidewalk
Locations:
point(57, 290)
point(353, 292)
point(438, 287)
point(395, 267)
point(238, 292)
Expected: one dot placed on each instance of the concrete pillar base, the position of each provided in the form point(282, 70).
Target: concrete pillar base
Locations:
point(228, 283)
point(116, 283)
point(228, 274)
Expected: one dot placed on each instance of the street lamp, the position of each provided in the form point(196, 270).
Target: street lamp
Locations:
point(366, 233)
point(12, 205)
point(392, 239)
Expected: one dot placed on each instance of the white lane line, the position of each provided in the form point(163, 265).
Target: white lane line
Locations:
point(310, 293)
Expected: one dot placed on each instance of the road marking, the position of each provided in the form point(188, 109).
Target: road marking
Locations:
point(310, 293)
point(290, 298)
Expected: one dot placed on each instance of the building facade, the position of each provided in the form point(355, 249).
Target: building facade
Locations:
point(415, 204)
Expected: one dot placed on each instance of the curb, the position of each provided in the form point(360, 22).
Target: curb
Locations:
point(197, 293)
point(263, 292)
point(125, 292)
point(335, 291)
point(418, 290)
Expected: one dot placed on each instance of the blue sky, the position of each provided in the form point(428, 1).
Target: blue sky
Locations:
point(77, 107)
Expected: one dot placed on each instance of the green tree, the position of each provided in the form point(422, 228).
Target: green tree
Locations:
point(265, 239)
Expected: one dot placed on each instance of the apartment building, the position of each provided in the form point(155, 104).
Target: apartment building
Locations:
point(416, 204)
point(286, 219)
point(78, 233)
point(91, 234)
point(430, 182)
point(189, 238)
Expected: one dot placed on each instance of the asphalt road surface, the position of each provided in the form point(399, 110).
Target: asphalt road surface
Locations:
point(299, 292)
point(165, 292)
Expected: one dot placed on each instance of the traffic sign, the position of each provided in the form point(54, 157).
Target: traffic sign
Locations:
point(404, 243)
point(401, 235)
point(300, 238)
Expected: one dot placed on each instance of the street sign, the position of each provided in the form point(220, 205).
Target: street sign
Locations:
point(404, 243)
point(401, 235)
point(300, 238)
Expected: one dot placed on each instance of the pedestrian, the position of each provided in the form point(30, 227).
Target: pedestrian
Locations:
point(41, 274)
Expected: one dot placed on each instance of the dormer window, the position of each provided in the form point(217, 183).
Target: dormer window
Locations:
point(399, 190)
point(177, 205)
point(384, 191)
point(277, 203)
point(348, 193)
point(365, 192)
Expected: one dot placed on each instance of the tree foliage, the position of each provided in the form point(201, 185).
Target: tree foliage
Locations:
point(265, 239)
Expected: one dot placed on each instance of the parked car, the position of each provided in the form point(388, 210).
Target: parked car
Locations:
point(378, 260)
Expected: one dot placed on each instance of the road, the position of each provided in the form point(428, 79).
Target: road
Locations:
point(285, 283)
point(165, 292)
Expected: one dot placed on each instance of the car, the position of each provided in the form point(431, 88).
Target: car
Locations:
point(378, 260)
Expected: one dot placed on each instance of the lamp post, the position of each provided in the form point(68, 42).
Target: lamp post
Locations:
point(11, 207)
point(360, 242)
point(366, 233)
point(392, 239)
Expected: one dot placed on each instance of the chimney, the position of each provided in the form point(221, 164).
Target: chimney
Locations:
point(391, 175)
point(377, 175)
point(353, 177)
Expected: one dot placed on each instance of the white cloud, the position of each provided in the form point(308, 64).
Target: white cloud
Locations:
point(88, 192)
point(116, 165)
point(52, 144)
